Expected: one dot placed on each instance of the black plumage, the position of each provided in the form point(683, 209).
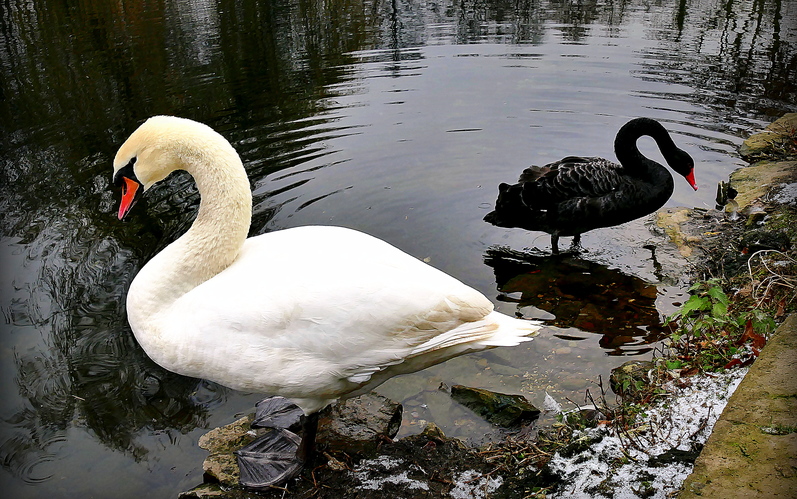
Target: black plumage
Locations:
point(575, 194)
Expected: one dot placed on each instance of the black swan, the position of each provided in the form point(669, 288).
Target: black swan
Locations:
point(575, 195)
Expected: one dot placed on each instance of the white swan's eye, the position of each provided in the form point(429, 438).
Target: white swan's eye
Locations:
point(125, 171)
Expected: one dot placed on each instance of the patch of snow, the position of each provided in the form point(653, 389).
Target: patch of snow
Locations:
point(471, 484)
point(374, 473)
point(787, 195)
point(550, 404)
point(622, 465)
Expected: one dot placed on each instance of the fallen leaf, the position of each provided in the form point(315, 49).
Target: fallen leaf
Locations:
point(758, 341)
point(739, 363)
point(690, 372)
point(781, 308)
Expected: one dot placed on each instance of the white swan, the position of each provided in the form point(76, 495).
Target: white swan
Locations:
point(313, 314)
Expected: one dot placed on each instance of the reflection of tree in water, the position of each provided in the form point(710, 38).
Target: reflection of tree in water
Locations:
point(747, 66)
point(86, 371)
point(570, 292)
point(75, 82)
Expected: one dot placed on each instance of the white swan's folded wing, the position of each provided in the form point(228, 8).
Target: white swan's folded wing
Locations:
point(321, 315)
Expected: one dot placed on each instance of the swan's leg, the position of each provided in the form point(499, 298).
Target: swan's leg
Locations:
point(309, 431)
point(555, 244)
point(280, 454)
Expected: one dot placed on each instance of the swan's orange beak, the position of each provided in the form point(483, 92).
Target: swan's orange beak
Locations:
point(129, 191)
point(690, 177)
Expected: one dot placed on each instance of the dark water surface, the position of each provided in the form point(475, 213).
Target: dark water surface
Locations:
point(395, 118)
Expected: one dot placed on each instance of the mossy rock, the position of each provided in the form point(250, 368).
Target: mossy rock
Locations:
point(498, 408)
point(631, 380)
point(754, 182)
point(778, 140)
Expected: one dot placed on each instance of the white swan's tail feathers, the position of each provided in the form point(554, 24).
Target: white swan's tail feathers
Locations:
point(510, 331)
point(495, 330)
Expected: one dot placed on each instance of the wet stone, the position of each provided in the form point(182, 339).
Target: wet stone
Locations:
point(354, 425)
point(769, 142)
point(359, 424)
point(573, 384)
point(631, 379)
point(505, 370)
point(498, 408)
point(221, 466)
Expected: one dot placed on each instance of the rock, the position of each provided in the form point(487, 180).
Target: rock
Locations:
point(764, 239)
point(433, 432)
point(221, 472)
point(354, 425)
point(212, 491)
point(228, 438)
point(676, 456)
point(670, 220)
point(772, 140)
point(786, 194)
point(223, 469)
point(631, 379)
point(358, 425)
point(498, 408)
point(754, 182)
point(221, 466)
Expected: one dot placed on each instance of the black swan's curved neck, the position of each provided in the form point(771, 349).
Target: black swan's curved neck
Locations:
point(625, 144)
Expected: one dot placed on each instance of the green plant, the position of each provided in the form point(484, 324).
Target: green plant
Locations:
point(712, 335)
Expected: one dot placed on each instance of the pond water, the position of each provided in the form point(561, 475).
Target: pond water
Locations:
point(396, 118)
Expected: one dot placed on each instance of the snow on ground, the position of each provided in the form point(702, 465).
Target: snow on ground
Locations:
point(473, 485)
point(639, 463)
point(375, 474)
point(383, 468)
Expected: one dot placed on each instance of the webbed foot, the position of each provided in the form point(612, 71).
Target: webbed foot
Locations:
point(277, 412)
point(269, 460)
point(280, 454)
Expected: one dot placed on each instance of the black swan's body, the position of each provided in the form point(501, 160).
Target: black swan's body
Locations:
point(575, 195)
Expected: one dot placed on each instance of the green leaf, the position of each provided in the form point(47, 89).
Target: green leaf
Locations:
point(719, 309)
point(718, 295)
point(694, 303)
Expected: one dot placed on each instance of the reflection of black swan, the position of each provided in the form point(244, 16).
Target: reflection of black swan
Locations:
point(579, 296)
point(574, 195)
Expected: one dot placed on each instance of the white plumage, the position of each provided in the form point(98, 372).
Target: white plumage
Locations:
point(311, 313)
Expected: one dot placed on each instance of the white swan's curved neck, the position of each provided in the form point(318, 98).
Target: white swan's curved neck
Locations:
point(213, 241)
point(225, 213)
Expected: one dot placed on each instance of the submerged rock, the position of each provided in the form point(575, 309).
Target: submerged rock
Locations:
point(632, 379)
point(501, 409)
point(359, 424)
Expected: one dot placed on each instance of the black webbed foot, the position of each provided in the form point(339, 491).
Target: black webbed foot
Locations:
point(269, 460)
point(575, 245)
point(277, 412)
point(280, 454)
